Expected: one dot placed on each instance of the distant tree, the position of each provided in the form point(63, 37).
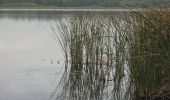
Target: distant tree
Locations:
point(87, 2)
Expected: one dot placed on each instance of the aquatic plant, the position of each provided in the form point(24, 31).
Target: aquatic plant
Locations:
point(95, 60)
point(149, 48)
point(113, 57)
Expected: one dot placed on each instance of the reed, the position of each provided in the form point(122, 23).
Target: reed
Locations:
point(120, 58)
point(94, 59)
point(149, 48)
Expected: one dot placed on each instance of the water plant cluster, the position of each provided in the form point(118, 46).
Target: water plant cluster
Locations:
point(116, 58)
point(149, 48)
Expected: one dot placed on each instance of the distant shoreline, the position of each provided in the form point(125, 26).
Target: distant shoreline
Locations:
point(73, 9)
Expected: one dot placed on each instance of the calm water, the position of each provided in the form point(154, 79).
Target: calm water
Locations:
point(30, 58)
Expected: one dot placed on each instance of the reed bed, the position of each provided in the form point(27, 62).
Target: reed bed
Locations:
point(116, 58)
point(149, 51)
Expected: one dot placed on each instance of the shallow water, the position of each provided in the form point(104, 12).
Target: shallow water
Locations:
point(30, 58)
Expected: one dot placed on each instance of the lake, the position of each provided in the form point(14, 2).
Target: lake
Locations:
point(31, 59)
point(103, 54)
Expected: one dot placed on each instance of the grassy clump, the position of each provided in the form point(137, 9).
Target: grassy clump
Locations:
point(149, 50)
point(116, 58)
point(95, 51)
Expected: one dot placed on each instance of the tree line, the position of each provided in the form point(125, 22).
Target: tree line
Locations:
point(84, 2)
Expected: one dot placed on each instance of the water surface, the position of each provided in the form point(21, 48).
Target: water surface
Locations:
point(30, 58)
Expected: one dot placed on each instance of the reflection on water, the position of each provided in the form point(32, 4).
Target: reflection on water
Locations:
point(51, 15)
point(31, 61)
point(26, 51)
point(33, 15)
point(98, 52)
point(97, 66)
point(102, 50)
